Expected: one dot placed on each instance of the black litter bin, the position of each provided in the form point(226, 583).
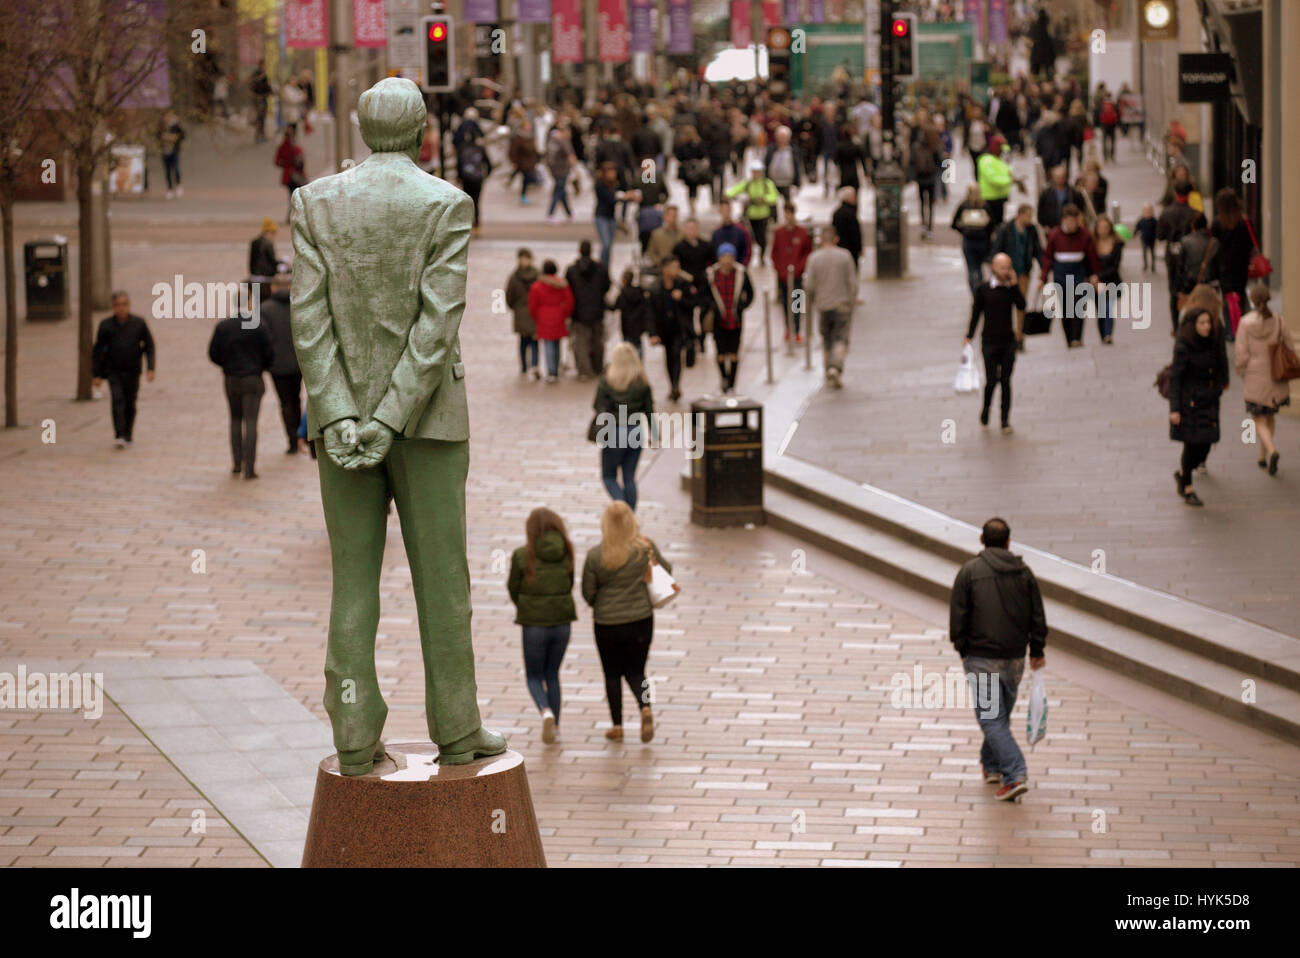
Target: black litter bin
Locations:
point(46, 269)
point(727, 474)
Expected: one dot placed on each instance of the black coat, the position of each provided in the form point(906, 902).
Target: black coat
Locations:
point(1196, 380)
point(1049, 209)
point(633, 305)
point(848, 229)
point(669, 319)
point(589, 281)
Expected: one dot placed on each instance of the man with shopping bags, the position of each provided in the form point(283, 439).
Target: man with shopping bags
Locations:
point(995, 613)
point(996, 300)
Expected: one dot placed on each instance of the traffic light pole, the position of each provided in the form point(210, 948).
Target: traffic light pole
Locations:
point(891, 227)
point(341, 51)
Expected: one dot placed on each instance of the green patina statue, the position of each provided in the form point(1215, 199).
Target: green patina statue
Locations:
point(378, 294)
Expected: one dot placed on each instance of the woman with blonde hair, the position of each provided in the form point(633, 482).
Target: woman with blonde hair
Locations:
point(1253, 354)
point(614, 585)
point(541, 587)
point(623, 421)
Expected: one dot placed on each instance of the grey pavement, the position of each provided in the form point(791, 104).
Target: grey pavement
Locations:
point(1088, 473)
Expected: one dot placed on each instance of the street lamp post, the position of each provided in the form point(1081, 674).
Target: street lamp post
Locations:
point(891, 228)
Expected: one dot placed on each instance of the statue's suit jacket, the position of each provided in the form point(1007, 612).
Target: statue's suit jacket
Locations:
point(380, 253)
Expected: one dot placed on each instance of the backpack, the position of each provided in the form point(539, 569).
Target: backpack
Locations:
point(472, 168)
point(1109, 115)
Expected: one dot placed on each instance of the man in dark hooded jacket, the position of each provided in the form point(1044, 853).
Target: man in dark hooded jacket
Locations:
point(589, 281)
point(996, 613)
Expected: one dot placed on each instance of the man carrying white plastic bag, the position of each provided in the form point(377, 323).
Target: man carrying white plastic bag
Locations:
point(995, 614)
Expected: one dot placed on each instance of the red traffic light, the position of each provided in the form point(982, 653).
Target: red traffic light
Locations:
point(900, 28)
point(438, 32)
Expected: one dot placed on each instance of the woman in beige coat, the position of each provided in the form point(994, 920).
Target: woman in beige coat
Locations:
point(1258, 331)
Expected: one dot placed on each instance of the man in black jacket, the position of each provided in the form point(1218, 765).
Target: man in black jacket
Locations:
point(1056, 197)
point(243, 352)
point(589, 281)
point(996, 612)
point(846, 224)
point(669, 319)
point(1174, 224)
point(995, 299)
point(284, 361)
point(122, 339)
point(261, 252)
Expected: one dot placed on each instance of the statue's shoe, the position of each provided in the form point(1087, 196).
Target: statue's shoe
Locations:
point(477, 744)
point(362, 761)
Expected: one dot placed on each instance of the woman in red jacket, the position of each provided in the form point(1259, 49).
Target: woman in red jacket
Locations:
point(289, 158)
point(551, 302)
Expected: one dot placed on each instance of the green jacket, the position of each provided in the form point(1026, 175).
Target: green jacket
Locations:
point(995, 178)
point(619, 595)
point(377, 334)
point(548, 599)
point(762, 195)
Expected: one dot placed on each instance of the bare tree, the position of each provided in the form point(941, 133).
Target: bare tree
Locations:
point(24, 72)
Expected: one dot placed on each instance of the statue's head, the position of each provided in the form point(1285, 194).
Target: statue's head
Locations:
point(392, 116)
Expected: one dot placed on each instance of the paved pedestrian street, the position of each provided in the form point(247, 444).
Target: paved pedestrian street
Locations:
point(776, 738)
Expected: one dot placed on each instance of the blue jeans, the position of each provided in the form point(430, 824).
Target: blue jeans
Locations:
point(527, 351)
point(544, 647)
point(552, 347)
point(999, 753)
point(559, 196)
point(614, 458)
point(1105, 321)
point(975, 251)
point(605, 230)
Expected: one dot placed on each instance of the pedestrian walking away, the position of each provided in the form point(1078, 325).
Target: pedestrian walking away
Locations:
point(284, 363)
point(998, 301)
point(243, 352)
point(791, 246)
point(589, 281)
point(1198, 376)
point(831, 285)
point(971, 219)
point(540, 584)
point(550, 301)
point(170, 136)
point(120, 343)
point(669, 320)
point(1260, 337)
point(1110, 288)
point(623, 422)
point(614, 585)
point(995, 615)
point(633, 307)
point(262, 263)
point(518, 287)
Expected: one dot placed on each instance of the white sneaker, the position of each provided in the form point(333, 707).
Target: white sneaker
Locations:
point(170, 195)
point(119, 443)
point(833, 377)
point(180, 191)
point(548, 726)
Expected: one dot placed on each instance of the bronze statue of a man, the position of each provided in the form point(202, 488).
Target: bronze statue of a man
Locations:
point(378, 294)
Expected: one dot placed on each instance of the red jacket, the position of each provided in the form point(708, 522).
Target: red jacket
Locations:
point(1072, 245)
point(286, 157)
point(551, 302)
point(790, 247)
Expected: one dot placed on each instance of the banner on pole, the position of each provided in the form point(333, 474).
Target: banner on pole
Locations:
point(771, 13)
point(566, 31)
point(742, 33)
point(369, 23)
point(532, 11)
point(680, 38)
point(642, 28)
point(306, 24)
point(611, 35)
point(480, 11)
point(816, 11)
point(997, 22)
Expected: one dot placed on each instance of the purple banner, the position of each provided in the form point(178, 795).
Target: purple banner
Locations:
point(680, 38)
point(790, 12)
point(997, 22)
point(974, 14)
point(816, 11)
point(532, 11)
point(643, 37)
point(481, 11)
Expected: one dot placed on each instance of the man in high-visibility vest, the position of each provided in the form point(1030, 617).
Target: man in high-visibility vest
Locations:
point(760, 197)
point(996, 178)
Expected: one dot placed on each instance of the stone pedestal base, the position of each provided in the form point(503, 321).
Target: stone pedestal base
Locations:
point(412, 812)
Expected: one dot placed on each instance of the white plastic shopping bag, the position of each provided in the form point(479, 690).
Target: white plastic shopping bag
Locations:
point(968, 375)
point(1037, 707)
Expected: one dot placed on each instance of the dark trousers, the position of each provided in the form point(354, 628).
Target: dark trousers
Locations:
point(717, 180)
point(759, 229)
point(1149, 257)
point(172, 170)
point(1194, 454)
point(123, 386)
point(999, 358)
point(785, 293)
point(727, 342)
point(1072, 320)
point(925, 194)
point(673, 360)
point(474, 189)
point(623, 650)
point(245, 396)
point(288, 386)
point(997, 209)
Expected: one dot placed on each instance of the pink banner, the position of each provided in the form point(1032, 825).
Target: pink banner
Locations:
point(369, 23)
point(306, 24)
point(252, 42)
point(974, 14)
point(566, 31)
point(742, 32)
point(611, 36)
point(771, 13)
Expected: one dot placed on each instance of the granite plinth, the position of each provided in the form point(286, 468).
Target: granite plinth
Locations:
point(411, 812)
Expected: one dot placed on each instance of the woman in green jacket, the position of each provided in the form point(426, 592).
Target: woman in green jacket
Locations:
point(614, 585)
point(541, 587)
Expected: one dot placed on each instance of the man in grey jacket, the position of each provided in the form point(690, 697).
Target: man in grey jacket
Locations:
point(996, 612)
point(830, 281)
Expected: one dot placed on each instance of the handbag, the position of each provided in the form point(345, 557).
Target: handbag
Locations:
point(1162, 381)
point(1259, 265)
point(660, 585)
point(1284, 362)
point(1037, 322)
point(1180, 300)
